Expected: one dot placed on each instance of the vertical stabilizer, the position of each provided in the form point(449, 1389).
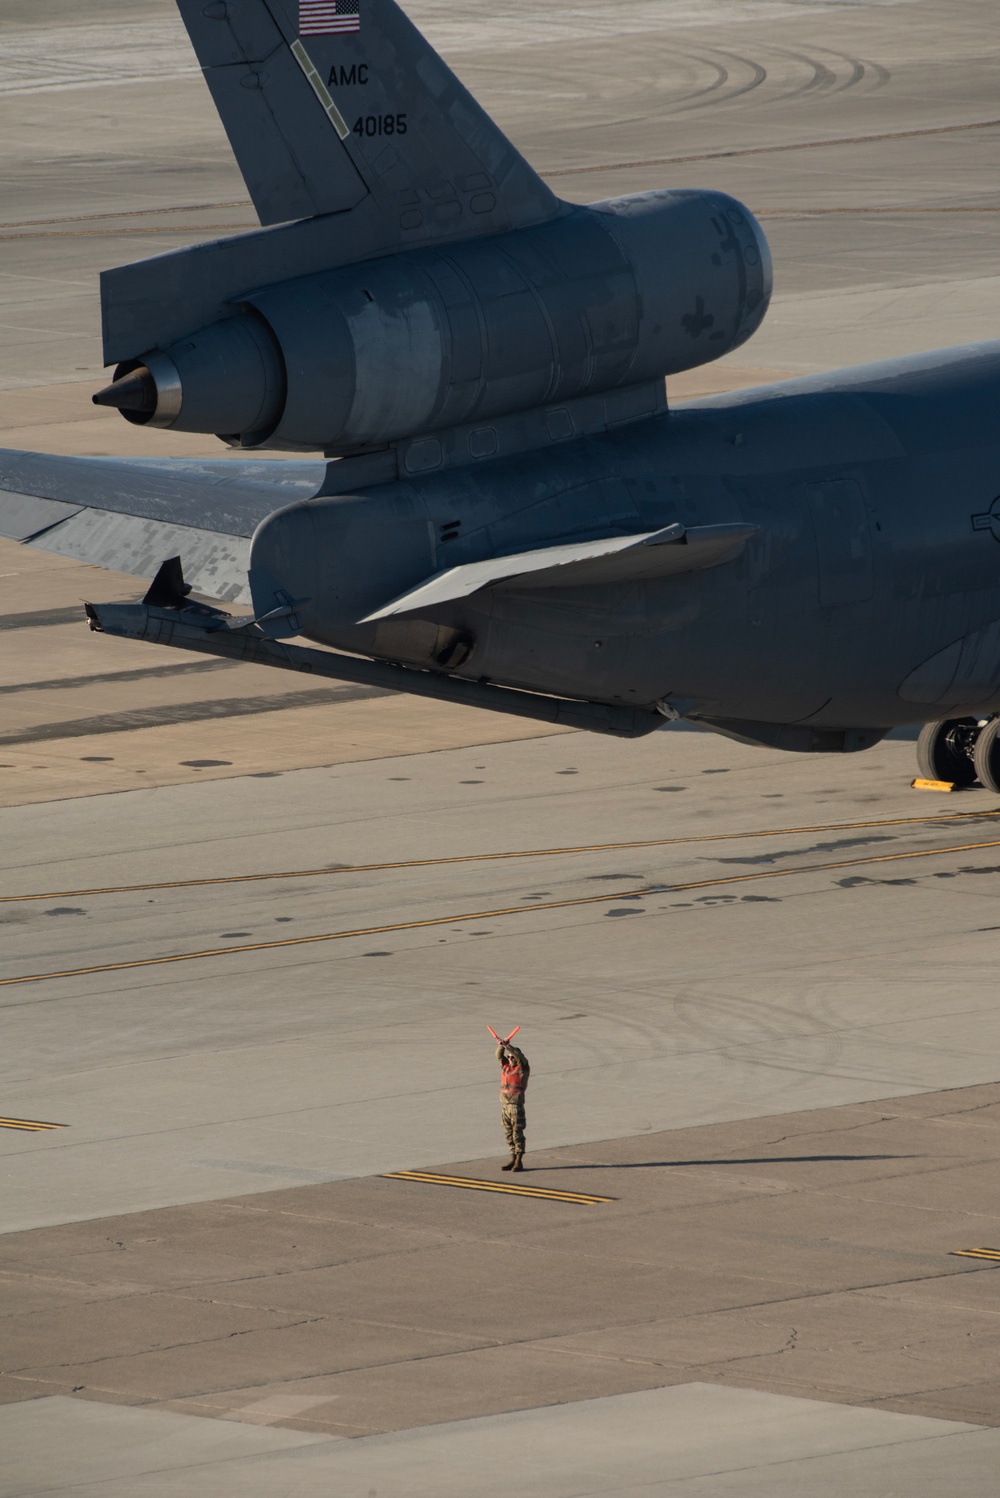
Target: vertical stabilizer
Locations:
point(329, 102)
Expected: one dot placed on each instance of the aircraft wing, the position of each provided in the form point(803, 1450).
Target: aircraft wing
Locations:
point(613, 559)
point(128, 514)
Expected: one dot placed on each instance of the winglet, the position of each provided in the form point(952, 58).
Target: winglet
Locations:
point(168, 590)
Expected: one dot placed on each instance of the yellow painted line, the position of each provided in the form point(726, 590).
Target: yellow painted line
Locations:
point(510, 1188)
point(434, 1178)
point(426, 863)
point(991, 1255)
point(29, 1125)
point(646, 890)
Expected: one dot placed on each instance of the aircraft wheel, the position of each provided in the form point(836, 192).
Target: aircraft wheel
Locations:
point(945, 750)
point(987, 756)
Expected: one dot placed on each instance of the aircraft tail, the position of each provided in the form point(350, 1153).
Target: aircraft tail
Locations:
point(328, 102)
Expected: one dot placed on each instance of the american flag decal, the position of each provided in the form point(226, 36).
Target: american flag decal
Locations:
point(328, 17)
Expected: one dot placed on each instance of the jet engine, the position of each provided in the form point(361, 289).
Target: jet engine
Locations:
point(605, 296)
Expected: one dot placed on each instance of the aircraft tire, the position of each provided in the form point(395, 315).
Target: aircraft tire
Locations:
point(987, 757)
point(943, 751)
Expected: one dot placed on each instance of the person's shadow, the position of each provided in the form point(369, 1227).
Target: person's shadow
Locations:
point(753, 1160)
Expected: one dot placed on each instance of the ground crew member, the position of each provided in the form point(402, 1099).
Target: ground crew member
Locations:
point(514, 1071)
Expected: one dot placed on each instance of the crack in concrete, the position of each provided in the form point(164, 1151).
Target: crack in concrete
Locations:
point(125, 1357)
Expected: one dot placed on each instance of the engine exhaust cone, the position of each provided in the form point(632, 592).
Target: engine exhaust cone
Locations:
point(133, 392)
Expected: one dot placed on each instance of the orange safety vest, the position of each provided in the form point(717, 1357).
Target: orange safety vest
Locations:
point(512, 1081)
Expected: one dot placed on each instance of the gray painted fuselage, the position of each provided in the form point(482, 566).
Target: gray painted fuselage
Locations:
point(870, 489)
point(510, 503)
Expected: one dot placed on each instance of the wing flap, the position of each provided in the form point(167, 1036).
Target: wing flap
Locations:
point(128, 515)
point(23, 516)
point(216, 565)
point(632, 558)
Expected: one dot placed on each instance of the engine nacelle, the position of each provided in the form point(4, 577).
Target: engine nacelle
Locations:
point(608, 295)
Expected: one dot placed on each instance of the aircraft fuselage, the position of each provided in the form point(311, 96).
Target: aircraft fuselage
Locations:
point(866, 598)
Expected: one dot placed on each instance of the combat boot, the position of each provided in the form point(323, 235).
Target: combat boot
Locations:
point(515, 1164)
point(511, 1163)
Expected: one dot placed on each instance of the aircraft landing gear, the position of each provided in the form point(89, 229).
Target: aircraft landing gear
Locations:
point(945, 750)
point(962, 751)
point(986, 755)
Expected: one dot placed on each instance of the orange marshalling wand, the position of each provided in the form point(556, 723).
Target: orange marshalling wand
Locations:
point(497, 1038)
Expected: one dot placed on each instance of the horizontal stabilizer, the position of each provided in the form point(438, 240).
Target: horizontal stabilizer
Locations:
point(580, 564)
point(326, 102)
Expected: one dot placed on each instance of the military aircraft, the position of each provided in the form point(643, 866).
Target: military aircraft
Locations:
point(509, 513)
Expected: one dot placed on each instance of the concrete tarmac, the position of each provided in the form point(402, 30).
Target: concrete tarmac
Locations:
point(710, 1442)
point(830, 947)
point(82, 714)
point(341, 1028)
point(840, 1254)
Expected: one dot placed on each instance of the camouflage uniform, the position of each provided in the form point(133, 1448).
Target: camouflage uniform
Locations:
point(512, 1106)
